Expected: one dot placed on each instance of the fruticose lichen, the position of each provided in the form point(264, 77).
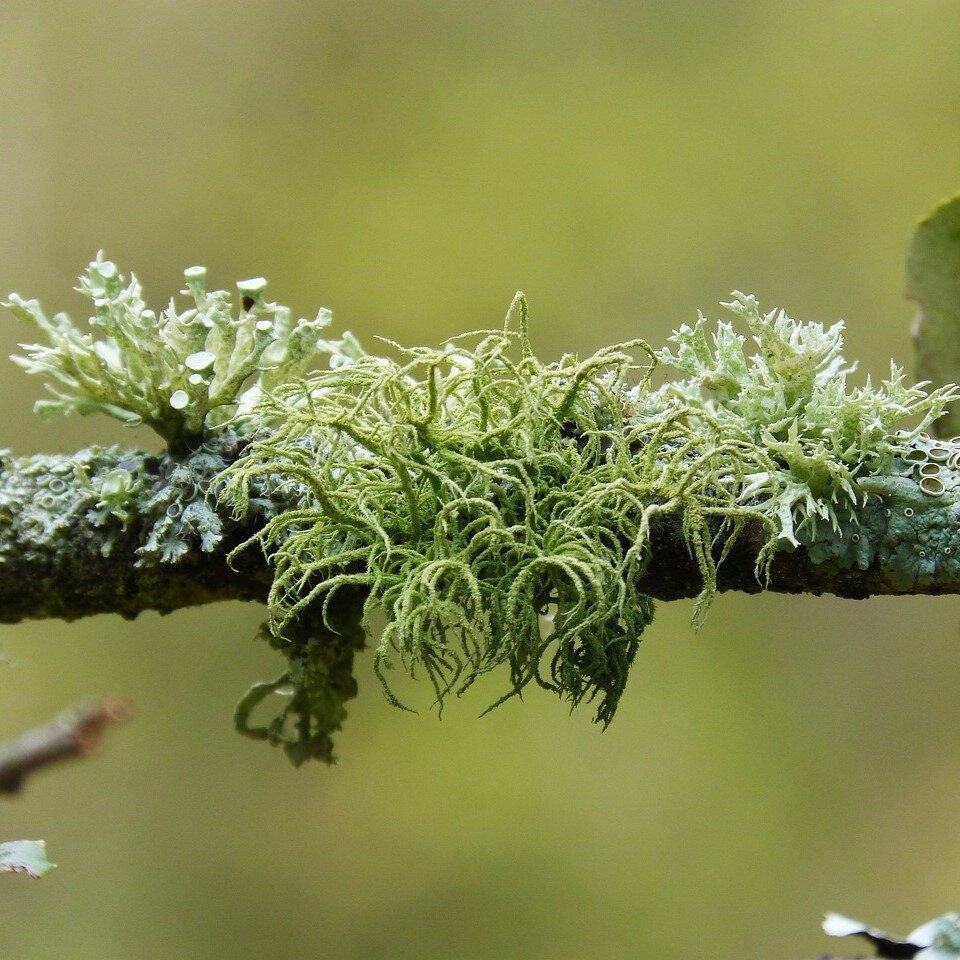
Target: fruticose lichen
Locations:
point(496, 509)
point(847, 483)
point(182, 373)
point(195, 377)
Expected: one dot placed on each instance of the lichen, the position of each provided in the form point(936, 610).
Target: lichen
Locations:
point(791, 399)
point(938, 939)
point(470, 490)
point(909, 519)
point(319, 648)
point(39, 498)
point(181, 512)
point(183, 373)
point(497, 509)
point(112, 489)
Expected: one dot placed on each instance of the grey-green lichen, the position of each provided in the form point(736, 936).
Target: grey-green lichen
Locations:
point(909, 520)
point(471, 490)
point(109, 488)
point(938, 939)
point(39, 498)
point(319, 648)
point(183, 373)
point(497, 509)
point(791, 400)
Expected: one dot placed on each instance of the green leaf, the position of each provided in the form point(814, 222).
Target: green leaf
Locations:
point(25, 856)
point(933, 280)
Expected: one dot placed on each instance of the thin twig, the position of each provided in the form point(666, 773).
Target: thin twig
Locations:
point(73, 734)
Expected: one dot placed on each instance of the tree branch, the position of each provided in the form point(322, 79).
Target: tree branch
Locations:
point(78, 567)
point(72, 734)
point(63, 556)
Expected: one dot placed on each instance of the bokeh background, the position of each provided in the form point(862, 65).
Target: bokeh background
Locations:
point(410, 165)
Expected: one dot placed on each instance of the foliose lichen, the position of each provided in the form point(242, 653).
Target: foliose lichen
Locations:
point(938, 939)
point(42, 496)
point(908, 521)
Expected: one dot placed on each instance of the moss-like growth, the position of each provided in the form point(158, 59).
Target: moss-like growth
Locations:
point(319, 647)
point(495, 506)
point(498, 508)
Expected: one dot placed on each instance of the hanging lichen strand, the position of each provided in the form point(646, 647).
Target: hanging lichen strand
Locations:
point(494, 508)
point(498, 508)
point(492, 505)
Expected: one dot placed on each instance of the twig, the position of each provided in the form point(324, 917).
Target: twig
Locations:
point(73, 734)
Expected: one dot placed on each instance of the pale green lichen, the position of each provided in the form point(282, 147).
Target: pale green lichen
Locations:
point(183, 373)
point(909, 522)
point(116, 494)
point(496, 508)
point(938, 939)
point(791, 400)
point(42, 497)
point(472, 489)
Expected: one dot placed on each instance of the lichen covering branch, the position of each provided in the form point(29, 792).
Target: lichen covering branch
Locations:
point(495, 508)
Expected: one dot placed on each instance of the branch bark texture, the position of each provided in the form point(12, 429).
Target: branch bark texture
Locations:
point(62, 556)
point(83, 563)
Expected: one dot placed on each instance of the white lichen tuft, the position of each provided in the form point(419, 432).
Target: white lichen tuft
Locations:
point(183, 373)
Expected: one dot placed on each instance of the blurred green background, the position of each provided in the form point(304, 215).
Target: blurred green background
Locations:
point(409, 165)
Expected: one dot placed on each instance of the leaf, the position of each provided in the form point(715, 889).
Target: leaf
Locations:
point(25, 856)
point(933, 281)
point(837, 925)
point(937, 940)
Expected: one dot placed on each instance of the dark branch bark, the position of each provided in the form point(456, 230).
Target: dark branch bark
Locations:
point(673, 574)
point(81, 568)
point(72, 734)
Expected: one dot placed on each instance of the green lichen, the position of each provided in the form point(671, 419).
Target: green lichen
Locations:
point(908, 522)
point(40, 499)
point(496, 509)
point(791, 399)
point(938, 939)
point(319, 648)
point(183, 373)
